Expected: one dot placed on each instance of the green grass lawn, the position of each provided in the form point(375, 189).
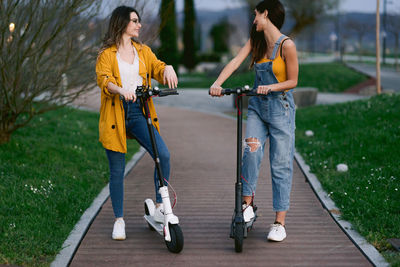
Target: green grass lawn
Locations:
point(365, 135)
point(51, 171)
point(327, 77)
point(195, 80)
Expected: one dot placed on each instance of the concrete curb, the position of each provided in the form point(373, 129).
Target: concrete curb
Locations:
point(366, 248)
point(74, 239)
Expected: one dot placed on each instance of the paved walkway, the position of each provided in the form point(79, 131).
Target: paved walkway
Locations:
point(203, 159)
point(390, 77)
point(198, 99)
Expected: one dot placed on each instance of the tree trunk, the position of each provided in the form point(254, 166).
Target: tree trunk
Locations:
point(7, 127)
point(4, 137)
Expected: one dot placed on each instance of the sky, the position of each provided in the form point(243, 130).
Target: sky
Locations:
point(366, 6)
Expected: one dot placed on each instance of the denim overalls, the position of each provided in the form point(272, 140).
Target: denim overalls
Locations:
point(271, 116)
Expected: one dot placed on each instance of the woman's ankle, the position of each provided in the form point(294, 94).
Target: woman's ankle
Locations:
point(247, 200)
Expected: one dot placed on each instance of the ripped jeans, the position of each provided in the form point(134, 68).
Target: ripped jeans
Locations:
point(270, 117)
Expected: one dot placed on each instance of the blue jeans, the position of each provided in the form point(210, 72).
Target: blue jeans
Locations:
point(273, 117)
point(136, 126)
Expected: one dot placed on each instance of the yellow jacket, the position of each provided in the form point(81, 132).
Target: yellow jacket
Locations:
point(112, 116)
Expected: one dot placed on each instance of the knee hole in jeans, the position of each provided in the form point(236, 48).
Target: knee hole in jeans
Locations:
point(253, 144)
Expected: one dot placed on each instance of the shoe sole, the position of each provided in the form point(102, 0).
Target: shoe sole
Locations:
point(275, 240)
point(119, 238)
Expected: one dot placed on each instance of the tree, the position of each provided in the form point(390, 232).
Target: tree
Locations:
point(189, 51)
point(220, 33)
point(360, 29)
point(168, 50)
point(304, 12)
point(47, 58)
point(394, 29)
point(307, 12)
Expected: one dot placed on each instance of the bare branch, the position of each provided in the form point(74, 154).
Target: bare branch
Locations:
point(47, 57)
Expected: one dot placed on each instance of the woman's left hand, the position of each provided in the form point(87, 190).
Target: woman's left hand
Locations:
point(170, 77)
point(263, 89)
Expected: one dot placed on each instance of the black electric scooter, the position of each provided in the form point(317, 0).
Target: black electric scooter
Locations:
point(239, 228)
point(170, 228)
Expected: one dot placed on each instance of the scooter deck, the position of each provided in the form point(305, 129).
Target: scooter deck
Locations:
point(159, 227)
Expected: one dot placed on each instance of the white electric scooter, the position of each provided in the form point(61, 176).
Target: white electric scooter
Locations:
point(169, 228)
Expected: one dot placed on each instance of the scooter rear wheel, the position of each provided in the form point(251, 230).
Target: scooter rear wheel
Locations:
point(239, 228)
point(176, 243)
point(147, 212)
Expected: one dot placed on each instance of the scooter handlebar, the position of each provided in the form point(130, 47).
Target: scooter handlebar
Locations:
point(240, 91)
point(167, 92)
point(142, 92)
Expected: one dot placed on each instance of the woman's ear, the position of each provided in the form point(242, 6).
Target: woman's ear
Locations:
point(266, 14)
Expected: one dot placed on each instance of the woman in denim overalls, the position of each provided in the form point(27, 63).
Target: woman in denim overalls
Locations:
point(270, 116)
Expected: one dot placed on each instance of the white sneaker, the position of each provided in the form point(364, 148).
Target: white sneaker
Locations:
point(159, 214)
point(277, 232)
point(119, 230)
point(248, 212)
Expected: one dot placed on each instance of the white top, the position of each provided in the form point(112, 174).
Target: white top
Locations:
point(130, 77)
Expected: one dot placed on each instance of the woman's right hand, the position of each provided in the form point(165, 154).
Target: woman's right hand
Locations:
point(215, 90)
point(127, 94)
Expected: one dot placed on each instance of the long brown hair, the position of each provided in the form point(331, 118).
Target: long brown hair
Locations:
point(276, 14)
point(119, 20)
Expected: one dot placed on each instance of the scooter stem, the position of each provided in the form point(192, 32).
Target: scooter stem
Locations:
point(238, 186)
point(153, 141)
point(165, 200)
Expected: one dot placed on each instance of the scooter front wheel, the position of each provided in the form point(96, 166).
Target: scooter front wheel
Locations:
point(176, 243)
point(239, 233)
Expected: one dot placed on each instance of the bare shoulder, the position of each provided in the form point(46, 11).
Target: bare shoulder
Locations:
point(289, 44)
point(288, 49)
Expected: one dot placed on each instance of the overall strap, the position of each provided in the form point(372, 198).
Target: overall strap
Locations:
point(277, 45)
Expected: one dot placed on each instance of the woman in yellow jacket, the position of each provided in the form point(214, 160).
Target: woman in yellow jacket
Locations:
point(122, 65)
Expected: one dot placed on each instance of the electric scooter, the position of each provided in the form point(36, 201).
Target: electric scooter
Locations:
point(170, 228)
point(240, 228)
